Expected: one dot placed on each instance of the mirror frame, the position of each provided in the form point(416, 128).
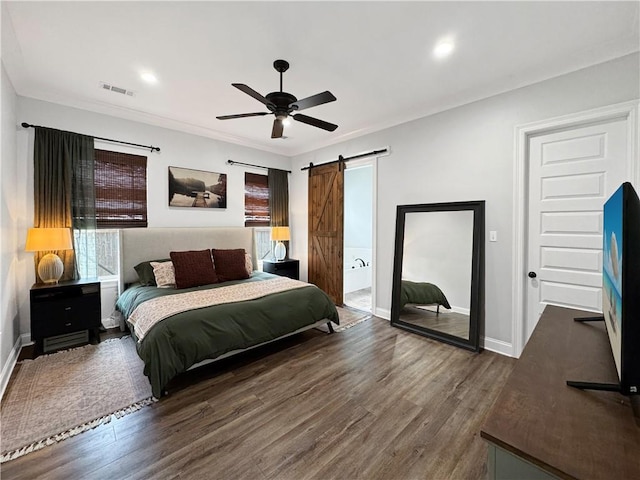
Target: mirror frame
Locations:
point(476, 311)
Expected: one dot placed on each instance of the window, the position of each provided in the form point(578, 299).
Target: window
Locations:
point(121, 190)
point(256, 200)
point(105, 261)
point(264, 245)
point(121, 202)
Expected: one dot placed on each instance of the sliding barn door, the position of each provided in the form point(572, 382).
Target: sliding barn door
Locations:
point(326, 217)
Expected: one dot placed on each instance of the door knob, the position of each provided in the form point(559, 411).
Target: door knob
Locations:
point(532, 274)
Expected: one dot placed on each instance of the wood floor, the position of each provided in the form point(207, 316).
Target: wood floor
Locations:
point(372, 402)
point(453, 323)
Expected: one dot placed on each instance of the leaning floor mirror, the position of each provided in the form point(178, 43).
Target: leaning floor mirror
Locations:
point(438, 284)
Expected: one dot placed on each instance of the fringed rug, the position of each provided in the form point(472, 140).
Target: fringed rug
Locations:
point(350, 317)
point(63, 394)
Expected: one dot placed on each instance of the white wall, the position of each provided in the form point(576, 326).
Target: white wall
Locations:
point(466, 153)
point(177, 149)
point(10, 208)
point(358, 207)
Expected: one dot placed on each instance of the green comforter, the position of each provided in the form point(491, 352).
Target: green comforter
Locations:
point(182, 340)
point(421, 293)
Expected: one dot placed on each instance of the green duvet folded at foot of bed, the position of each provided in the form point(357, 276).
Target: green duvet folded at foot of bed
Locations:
point(421, 293)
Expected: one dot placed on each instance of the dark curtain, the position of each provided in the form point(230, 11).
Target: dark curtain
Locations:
point(64, 191)
point(279, 199)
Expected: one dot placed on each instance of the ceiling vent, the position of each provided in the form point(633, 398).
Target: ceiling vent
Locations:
point(113, 88)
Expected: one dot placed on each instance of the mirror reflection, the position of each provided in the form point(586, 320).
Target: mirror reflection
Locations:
point(436, 271)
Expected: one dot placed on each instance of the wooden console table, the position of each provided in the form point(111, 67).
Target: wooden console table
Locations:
point(539, 428)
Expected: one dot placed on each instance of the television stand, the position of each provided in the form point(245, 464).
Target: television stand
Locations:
point(604, 387)
point(541, 428)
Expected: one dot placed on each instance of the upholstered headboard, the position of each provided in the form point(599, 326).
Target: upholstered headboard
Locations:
point(140, 244)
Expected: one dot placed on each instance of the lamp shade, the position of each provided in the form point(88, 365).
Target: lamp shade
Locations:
point(280, 234)
point(46, 239)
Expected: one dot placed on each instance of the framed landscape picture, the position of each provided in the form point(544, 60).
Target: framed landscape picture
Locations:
point(197, 188)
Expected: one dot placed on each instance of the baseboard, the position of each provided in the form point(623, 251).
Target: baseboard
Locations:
point(461, 310)
point(383, 313)
point(9, 365)
point(497, 346)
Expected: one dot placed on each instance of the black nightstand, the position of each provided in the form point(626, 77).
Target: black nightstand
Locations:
point(65, 314)
point(285, 268)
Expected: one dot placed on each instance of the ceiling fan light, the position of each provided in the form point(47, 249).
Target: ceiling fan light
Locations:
point(283, 105)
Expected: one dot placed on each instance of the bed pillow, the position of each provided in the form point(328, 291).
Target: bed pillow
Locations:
point(145, 272)
point(193, 268)
point(248, 263)
point(230, 264)
point(164, 274)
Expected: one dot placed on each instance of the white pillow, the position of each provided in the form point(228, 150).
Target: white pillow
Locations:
point(248, 263)
point(165, 274)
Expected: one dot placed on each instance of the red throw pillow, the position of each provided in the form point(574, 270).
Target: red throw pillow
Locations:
point(230, 264)
point(193, 268)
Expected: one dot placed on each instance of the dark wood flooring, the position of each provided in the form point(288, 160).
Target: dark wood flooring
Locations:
point(456, 324)
point(372, 402)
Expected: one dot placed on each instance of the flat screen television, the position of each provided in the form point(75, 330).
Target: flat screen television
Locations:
point(621, 283)
point(621, 289)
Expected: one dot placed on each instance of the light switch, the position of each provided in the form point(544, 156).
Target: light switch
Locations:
point(493, 236)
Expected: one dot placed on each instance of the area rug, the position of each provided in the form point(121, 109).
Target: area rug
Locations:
point(350, 317)
point(63, 394)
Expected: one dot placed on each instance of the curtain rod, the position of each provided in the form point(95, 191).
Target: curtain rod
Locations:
point(150, 147)
point(346, 159)
point(233, 162)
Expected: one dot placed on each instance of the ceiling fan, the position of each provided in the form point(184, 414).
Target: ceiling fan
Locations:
point(283, 105)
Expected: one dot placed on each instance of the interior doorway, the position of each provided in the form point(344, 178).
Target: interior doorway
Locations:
point(568, 167)
point(359, 248)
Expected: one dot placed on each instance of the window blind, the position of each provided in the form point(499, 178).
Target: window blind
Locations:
point(121, 190)
point(256, 200)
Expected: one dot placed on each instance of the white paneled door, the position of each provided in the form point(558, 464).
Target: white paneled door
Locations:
point(572, 172)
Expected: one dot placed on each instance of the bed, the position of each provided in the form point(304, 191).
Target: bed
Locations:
point(422, 293)
point(185, 337)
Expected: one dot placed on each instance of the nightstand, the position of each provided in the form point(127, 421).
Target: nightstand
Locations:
point(65, 314)
point(285, 268)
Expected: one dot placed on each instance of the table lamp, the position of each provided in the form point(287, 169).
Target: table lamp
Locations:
point(280, 234)
point(50, 267)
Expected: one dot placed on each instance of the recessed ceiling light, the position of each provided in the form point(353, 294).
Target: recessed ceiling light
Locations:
point(148, 77)
point(443, 49)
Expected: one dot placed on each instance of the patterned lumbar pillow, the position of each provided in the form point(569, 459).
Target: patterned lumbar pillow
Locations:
point(164, 274)
point(248, 264)
point(145, 272)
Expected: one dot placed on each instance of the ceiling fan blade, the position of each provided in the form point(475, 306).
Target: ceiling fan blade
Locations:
point(251, 92)
point(278, 128)
point(242, 115)
point(313, 100)
point(315, 122)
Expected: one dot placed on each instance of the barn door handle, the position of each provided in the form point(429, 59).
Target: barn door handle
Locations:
point(532, 275)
